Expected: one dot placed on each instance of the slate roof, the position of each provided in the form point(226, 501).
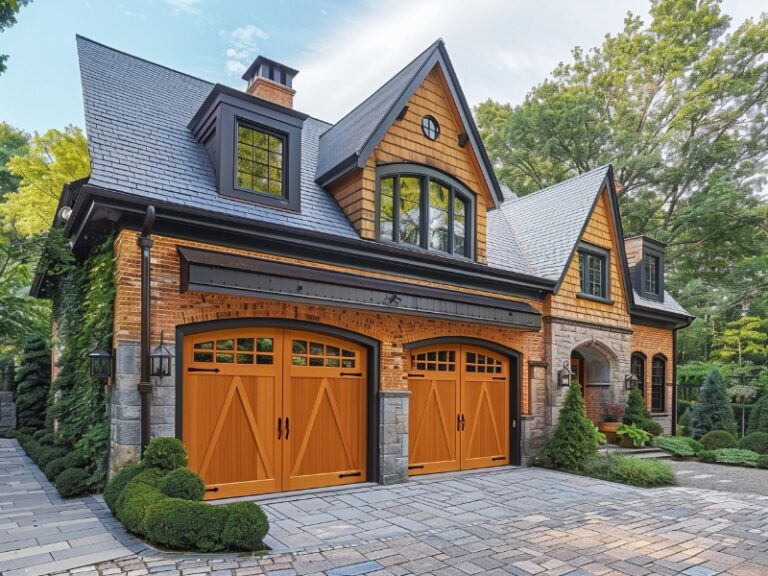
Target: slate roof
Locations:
point(668, 305)
point(548, 223)
point(347, 137)
point(137, 112)
point(136, 116)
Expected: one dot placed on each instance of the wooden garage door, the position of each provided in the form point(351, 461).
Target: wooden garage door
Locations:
point(266, 410)
point(459, 408)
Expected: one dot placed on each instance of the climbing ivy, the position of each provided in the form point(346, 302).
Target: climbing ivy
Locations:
point(83, 311)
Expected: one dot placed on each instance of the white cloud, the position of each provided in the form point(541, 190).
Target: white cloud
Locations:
point(500, 48)
point(187, 6)
point(241, 46)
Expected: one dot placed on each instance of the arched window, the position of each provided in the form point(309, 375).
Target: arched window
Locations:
point(419, 206)
point(658, 376)
point(638, 369)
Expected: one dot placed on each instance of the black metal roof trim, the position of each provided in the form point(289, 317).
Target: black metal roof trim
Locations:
point(659, 319)
point(234, 274)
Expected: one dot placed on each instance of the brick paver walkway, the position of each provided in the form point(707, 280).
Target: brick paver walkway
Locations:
point(505, 521)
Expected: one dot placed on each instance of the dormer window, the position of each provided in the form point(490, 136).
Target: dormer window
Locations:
point(423, 208)
point(260, 161)
point(651, 270)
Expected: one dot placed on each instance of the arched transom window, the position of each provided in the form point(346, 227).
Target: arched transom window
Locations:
point(421, 207)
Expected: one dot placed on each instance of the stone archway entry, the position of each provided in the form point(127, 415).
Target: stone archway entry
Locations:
point(593, 368)
point(459, 408)
point(269, 409)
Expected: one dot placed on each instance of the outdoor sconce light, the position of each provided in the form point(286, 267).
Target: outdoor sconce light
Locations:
point(564, 375)
point(630, 381)
point(160, 360)
point(100, 363)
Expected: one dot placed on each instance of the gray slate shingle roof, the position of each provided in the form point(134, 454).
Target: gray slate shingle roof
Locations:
point(548, 223)
point(668, 305)
point(137, 113)
point(136, 116)
point(348, 136)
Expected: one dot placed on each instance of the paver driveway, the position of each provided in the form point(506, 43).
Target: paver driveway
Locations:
point(505, 521)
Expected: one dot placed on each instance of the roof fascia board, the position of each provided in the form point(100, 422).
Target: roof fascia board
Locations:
point(618, 231)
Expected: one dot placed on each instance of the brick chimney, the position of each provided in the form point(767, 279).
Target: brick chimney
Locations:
point(270, 80)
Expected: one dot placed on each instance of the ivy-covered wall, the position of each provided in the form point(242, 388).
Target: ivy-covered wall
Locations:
point(83, 305)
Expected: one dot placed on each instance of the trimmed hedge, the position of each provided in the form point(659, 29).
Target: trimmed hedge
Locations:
point(184, 484)
point(762, 461)
point(145, 499)
point(757, 442)
point(676, 446)
point(731, 456)
point(716, 439)
point(72, 482)
point(629, 470)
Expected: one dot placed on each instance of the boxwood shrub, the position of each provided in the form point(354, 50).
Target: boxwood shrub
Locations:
point(716, 439)
point(183, 483)
point(144, 498)
point(757, 442)
point(72, 482)
point(762, 461)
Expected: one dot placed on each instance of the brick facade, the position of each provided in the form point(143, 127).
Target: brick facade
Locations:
point(650, 342)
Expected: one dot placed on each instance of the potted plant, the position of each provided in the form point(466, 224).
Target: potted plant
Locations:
point(611, 420)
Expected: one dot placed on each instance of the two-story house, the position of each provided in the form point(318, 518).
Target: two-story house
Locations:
point(349, 302)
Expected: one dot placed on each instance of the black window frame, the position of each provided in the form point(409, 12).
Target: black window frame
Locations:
point(284, 138)
point(426, 175)
point(651, 251)
point(638, 359)
point(588, 250)
point(658, 388)
point(424, 129)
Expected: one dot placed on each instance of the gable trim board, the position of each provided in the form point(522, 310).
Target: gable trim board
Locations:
point(358, 157)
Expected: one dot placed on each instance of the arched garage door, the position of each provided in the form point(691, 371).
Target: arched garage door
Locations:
point(270, 409)
point(459, 410)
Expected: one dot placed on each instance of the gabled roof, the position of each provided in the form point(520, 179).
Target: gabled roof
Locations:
point(549, 223)
point(136, 116)
point(350, 142)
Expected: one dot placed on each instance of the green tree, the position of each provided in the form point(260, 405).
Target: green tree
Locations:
point(713, 410)
point(33, 380)
point(13, 142)
point(54, 159)
point(743, 339)
point(574, 442)
point(678, 106)
point(8, 11)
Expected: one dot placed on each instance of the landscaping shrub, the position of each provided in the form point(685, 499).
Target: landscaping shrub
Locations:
point(713, 410)
point(643, 472)
point(717, 439)
point(32, 384)
point(694, 444)
point(184, 524)
point(137, 497)
point(184, 484)
point(118, 483)
point(707, 456)
point(756, 441)
point(245, 527)
point(46, 454)
point(165, 453)
point(47, 439)
point(58, 465)
point(735, 457)
point(574, 441)
point(635, 414)
point(762, 461)
point(676, 446)
point(758, 416)
point(39, 434)
point(684, 422)
point(72, 482)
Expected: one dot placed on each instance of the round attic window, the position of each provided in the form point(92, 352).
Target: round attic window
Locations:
point(430, 127)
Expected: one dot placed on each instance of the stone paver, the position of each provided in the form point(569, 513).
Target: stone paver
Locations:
point(42, 533)
point(720, 477)
point(502, 521)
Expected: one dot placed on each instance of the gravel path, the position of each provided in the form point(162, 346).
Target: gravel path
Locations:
point(720, 477)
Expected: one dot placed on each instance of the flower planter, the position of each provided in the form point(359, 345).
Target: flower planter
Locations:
point(609, 429)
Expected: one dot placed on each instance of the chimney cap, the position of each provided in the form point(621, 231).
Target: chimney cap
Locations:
point(270, 69)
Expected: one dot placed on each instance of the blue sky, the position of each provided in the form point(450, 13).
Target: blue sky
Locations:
point(343, 49)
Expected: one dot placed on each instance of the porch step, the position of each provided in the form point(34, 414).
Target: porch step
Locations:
point(648, 452)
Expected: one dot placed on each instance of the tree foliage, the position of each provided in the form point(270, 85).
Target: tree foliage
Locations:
point(713, 410)
point(743, 339)
point(678, 106)
point(33, 379)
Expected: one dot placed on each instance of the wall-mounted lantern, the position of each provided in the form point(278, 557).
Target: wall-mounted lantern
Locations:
point(564, 375)
point(160, 359)
point(100, 363)
point(630, 381)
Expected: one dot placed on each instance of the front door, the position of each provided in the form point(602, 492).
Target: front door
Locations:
point(459, 409)
point(265, 410)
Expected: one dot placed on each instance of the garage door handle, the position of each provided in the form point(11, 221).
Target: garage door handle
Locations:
point(192, 369)
point(458, 422)
point(279, 428)
point(499, 378)
point(287, 427)
point(463, 423)
point(351, 374)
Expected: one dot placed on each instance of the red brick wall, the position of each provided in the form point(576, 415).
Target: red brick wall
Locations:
point(171, 308)
point(651, 341)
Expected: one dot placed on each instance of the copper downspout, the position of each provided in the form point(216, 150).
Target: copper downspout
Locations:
point(145, 385)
